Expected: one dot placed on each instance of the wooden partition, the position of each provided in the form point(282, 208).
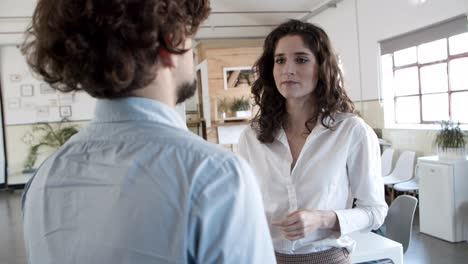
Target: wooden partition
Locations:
point(221, 54)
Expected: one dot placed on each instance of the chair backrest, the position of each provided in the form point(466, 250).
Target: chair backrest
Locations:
point(404, 166)
point(399, 220)
point(387, 161)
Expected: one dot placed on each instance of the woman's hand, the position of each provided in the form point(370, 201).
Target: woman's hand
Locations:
point(300, 223)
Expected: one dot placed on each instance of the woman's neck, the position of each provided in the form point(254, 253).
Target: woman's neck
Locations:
point(298, 112)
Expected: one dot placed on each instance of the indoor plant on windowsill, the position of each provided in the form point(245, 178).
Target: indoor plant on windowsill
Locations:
point(45, 135)
point(450, 141)
point(241, 107)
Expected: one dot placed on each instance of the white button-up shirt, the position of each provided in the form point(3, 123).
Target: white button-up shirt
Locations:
point(136, 187)
point(334, 167)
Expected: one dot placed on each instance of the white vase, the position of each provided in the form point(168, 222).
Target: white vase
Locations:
point(451, 153)
point(244, 114)
point(223, 115)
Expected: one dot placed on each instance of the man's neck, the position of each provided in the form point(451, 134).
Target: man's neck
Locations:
point(161, 89)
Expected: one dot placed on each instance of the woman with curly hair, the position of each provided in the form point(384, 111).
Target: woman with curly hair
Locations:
point(311, 153)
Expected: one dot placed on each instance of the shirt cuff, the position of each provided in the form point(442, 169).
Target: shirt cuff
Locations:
point(351, 220)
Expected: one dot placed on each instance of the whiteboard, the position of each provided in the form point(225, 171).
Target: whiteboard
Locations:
point(27, 99)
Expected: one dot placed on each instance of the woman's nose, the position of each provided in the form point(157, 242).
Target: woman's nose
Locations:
point(289, 68)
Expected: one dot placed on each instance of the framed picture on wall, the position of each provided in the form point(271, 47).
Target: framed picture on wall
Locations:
point(14, 103)
point(15, 78)
point(65, 111)
point(27, 90)
point(237, 77)
point(42, 111)
point(44, 88)
point(29, 106)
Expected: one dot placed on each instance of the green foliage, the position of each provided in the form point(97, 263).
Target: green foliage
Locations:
point(450, 136)
point(240, 104)
point(49, 136)
point(223, 105)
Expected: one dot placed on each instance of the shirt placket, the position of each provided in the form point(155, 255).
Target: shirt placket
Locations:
point(292, 197)
point(286, 160)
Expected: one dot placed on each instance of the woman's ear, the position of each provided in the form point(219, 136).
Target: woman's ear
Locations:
point(166, 58)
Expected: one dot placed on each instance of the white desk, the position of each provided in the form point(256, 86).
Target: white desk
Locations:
point(370, 246)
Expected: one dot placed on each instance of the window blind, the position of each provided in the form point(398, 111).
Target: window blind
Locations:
point(434, 32)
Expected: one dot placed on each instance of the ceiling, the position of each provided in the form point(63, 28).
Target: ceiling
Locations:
point(256, 18)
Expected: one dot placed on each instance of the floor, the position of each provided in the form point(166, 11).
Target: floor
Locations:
point(423, 249)
point(12, 249)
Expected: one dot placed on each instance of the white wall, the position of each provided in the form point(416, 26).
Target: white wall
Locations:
point(14, 18)
point(383, 19)
point(2, 153)
point(340, 25)
point(377, 20)
point(17, 8)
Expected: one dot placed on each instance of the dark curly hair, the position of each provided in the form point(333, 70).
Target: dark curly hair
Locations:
point(329, 94)
point(108, 48)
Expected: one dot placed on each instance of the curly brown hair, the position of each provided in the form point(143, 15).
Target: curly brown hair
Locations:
point(108, 48)
point(329, 93)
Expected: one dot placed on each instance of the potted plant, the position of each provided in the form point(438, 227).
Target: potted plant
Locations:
point(48, 136)
point(241, 107)
point(450, 141)
point(223, 107)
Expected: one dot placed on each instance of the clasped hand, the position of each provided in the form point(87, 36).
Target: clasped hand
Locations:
point(300, 223)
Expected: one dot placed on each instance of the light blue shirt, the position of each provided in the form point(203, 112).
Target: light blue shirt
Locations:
point(135, 186)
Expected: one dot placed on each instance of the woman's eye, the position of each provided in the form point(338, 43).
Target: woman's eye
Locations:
point(301, 60)
point(279, 61)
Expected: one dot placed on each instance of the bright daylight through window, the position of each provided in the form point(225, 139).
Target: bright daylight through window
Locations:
point(428, 82)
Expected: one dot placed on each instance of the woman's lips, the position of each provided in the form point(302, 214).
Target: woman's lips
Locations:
point(289, 82)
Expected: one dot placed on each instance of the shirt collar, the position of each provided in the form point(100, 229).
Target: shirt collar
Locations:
point(281, 135)
point(137, 109)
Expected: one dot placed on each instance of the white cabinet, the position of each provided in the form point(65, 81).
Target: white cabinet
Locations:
point(443, 198)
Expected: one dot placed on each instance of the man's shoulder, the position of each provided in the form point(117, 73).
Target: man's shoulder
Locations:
point(153, 137)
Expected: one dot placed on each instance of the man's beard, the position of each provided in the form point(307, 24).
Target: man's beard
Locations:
point(185, 91)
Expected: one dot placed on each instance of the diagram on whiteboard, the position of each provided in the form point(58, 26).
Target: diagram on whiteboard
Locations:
point(29, 100)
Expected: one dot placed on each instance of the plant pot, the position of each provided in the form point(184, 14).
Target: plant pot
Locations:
point(451, 153)
point(223, 115)
point(244, 114)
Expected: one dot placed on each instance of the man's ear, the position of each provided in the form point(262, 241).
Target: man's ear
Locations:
point(166, 58)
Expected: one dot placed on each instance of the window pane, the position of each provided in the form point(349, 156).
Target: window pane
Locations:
point(434, 78)
point(435, 107)
point(459, 74)
point(407, 110)
point(432, 51)
point(458, 44)
point(460, 107)
point(405, 56)
point(406, 81)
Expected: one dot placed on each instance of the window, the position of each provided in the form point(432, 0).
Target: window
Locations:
point(427, 81)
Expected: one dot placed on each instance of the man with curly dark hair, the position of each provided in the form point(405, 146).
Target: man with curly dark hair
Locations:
point(134, 186)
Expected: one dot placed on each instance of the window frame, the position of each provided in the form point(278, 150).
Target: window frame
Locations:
point(449, 91)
